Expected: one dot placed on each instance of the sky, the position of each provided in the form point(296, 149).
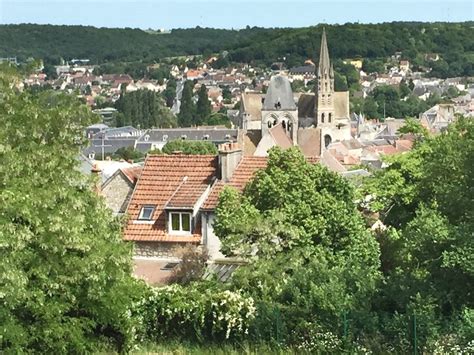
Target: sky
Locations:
point(167, 14)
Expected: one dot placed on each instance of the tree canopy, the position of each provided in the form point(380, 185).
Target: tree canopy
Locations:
point(143, 109)
point(190, 147)
point(451, 41)
point(300, 219)
point(65, 274)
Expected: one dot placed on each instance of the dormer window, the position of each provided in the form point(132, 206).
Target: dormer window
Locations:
point(183, 137)
point(205, 137)
point(180, 223)
point(146, 213)
point(165, 137)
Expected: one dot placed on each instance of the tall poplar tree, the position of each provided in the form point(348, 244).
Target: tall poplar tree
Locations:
point(187, 109)
point(203, 107)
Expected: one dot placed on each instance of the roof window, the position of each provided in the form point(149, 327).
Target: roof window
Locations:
point(146, 213)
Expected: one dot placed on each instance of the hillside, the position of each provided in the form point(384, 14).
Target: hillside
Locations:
point(453, 41)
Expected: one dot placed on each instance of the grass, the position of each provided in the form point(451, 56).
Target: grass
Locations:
point(176, 348)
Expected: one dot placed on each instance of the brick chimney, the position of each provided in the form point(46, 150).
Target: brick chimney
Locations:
point(96, 172)
point(230, 155)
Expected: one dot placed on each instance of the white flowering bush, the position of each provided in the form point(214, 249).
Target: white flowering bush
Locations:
point(231, 313)
point(316, 340)
point(195, 312)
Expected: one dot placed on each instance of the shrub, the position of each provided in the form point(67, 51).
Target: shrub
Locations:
point(197, 312)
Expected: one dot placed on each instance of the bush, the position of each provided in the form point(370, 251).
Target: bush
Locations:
point(196, 312)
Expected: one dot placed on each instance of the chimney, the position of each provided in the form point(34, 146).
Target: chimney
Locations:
point(96, 172)
point(230, 155)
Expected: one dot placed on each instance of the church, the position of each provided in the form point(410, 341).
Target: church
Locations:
point(280, 117)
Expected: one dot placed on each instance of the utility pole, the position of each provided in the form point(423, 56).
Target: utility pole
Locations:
point(102, 146)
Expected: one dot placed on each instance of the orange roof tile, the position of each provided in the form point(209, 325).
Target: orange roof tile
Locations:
point(244, 172)
point(160, 179)
point(132, 174)
point(186, 195)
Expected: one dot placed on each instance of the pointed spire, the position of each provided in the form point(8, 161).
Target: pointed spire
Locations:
point(324, 63)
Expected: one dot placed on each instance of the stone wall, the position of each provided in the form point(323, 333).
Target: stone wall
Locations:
point(117, 193)
point(158, 249)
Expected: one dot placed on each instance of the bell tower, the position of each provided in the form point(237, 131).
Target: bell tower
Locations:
point(325, 88)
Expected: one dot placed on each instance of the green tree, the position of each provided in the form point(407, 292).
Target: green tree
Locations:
point(144, 109)
point(203, 106)
point(187, 109)
point(424, 198)
point(300, 222)
point(190, 147)
point(170, 92)
point(65, 273)
point(128, 154)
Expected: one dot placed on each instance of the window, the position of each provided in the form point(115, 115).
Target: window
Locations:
point(322, 117)
point(180, 222)
point(146, 213)
point(165, 137)
point(205, 137)
point(183, 137)
point(330, 117)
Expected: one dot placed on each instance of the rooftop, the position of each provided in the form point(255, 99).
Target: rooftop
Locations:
point(161, 183)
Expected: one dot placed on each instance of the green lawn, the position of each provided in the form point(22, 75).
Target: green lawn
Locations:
point(176, 348)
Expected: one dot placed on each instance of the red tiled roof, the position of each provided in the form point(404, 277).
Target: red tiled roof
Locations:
point(244, 172)
point(384, 149)
point(132, 174)
point(187, 194)
point(280, 137)
point(160, 179)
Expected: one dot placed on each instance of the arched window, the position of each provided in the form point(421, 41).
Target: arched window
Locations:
point(327, 140)
point(269, 124)
point(283, 123)
point(322, 117)
point(330, 117)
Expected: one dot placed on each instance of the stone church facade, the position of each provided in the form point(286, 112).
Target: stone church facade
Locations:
point(312, 121)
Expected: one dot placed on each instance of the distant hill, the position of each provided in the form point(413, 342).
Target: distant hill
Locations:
point(453, 41)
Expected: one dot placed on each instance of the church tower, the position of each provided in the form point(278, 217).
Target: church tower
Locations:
point(325, 115)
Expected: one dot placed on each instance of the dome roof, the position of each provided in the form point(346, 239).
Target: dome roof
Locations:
point(279, 95)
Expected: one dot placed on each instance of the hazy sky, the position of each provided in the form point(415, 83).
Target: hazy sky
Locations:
point(229, 13)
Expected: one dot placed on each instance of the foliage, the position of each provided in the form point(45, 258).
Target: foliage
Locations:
point(65, 273)
point(413, 126)
point(203, 106)
point(128, 154)
point(452, 41)
point(300, 219)
point(187, 110)
point(190, 147)
point(423, 198)
point(197, 312)
point(143, 109)
point(169, 93)
point(192, 265)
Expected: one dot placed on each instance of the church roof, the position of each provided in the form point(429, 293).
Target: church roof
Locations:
point(324, 62)
point(279, 91)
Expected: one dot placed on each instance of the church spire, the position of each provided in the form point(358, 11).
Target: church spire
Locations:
point(324, 63)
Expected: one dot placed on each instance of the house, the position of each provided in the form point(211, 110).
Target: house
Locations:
point(157, 138)
point(173, 204)
point(404, 65)
point(164, 210)
point(438, 117)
